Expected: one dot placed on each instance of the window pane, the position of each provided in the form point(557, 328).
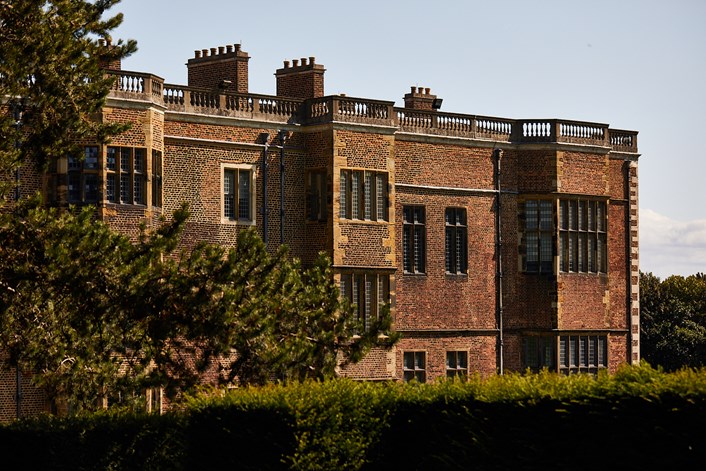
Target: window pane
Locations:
point(111, 158)
point(355, 195)
point(564, 352)
point(463, 360)
point(369, 297)
point(451, 360)
point(139, 160)
point(408, 360)
point(343, 194)
point(532, 255)
point(407, 254)
point(368, 192)
point(125, 159)
point(74, 186)
point(531, 216)
point(419, 248)
point(545, 215)
point(449, 248)
point(125, 196)
point(90, 187)
point(138, 189)
point(110, 187)
point(229, 194)
point(74, 163)
point(90, 160)
point(244, 195)
point(419, 360)
point(381, 199)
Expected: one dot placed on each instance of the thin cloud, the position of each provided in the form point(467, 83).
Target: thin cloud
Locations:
point(670, 247)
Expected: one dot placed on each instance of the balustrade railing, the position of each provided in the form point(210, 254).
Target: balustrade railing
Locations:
point(347, 109)
point(623, 141)
point(187, 99)
point(494, 128)
point(136, 84)
point(359, 110)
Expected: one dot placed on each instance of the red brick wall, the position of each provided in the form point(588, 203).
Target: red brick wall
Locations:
point(480, 348)
point(33, 402)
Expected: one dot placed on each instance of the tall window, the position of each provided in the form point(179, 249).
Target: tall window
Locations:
point(363, 195)
point(456, 364)
point(582, 353)
point(456, 247)
point(539, 228)
point(367, 292)
point(125, 175)
point(414, 365)
point(156, 178)
point(582, 236)
point(539, 352)
point(316, 195)
point(83, 176)
point(413, 239)
point(237, 194)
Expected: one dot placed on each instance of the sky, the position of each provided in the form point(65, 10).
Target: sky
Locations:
point(633, 64)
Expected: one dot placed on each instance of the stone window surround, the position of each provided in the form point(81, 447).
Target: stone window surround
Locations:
point(253, 194)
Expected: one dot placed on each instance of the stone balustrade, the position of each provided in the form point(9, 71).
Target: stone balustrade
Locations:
point(623, 141)
point(193, 100)
point(348, 109)
point(341, 108)
point(136, 85)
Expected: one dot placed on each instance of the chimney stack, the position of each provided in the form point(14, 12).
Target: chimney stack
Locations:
point(420, 98)
point(303, 79)
point(104, 59)
point(214, 67)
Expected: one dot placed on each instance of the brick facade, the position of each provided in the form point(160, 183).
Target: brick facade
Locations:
point(354, 170)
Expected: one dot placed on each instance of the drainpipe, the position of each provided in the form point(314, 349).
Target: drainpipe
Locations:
point(282, 134)
point(498, 153)
point(264, 188)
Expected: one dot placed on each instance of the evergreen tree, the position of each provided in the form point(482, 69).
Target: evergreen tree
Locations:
point(50, 78)
point(93, 315)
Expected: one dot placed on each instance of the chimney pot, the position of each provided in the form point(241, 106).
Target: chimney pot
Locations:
point(295, 62)
point(229, 48)
point(204, 52)
point(197, 54)
point(237, 47)
point(419, 90)
point(213, 51)
point(303, 59)
point(413, 89)
point(312, 60)
point(427, 90)
point(286, 64)
point(221, 49)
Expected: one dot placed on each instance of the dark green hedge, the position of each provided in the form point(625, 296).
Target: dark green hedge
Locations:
point(639, 418)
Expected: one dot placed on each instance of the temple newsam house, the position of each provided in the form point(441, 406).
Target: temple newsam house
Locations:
point(502, 244)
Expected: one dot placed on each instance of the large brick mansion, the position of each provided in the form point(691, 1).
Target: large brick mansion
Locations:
point(501, 244)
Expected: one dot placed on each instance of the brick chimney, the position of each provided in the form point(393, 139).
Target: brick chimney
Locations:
point(222, 67)
point(303, 79)
point(422, 99)
point(104, 60)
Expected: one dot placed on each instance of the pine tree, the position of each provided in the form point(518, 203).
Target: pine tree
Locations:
point(51, 78)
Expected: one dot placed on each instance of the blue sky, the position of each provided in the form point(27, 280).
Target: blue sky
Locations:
point(638, 65)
